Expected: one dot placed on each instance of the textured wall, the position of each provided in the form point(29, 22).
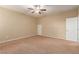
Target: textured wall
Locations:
point(55, 25)
point(14, 25)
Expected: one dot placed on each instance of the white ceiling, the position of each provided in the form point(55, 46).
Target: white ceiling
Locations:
point(51, 9)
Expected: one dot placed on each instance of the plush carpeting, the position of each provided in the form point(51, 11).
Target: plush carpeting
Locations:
point(39, 44)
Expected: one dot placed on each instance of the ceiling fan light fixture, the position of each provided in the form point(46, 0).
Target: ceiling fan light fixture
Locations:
point(37, 9)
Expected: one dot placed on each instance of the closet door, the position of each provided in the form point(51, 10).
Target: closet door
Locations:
point(39, 29)
point(71, 28)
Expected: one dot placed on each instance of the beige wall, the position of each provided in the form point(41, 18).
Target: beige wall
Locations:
point(55, 25)
point(14, 25)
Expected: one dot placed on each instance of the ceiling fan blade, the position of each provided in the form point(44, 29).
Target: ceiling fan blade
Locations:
point(30, 8)
point(43, 9)
point(39, 12)
point(33, 11)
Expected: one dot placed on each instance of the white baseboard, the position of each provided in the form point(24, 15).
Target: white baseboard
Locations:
point(16, 38)
point(52, 37)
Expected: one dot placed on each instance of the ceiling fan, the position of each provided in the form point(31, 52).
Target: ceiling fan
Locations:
point(37, 9)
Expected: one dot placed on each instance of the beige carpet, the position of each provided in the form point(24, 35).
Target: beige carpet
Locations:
point(39, 44)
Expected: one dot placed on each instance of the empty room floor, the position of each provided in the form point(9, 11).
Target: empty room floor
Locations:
point(39, 44)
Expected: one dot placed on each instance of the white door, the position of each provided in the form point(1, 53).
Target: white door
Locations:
point(39, 29)
point(71, 28)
